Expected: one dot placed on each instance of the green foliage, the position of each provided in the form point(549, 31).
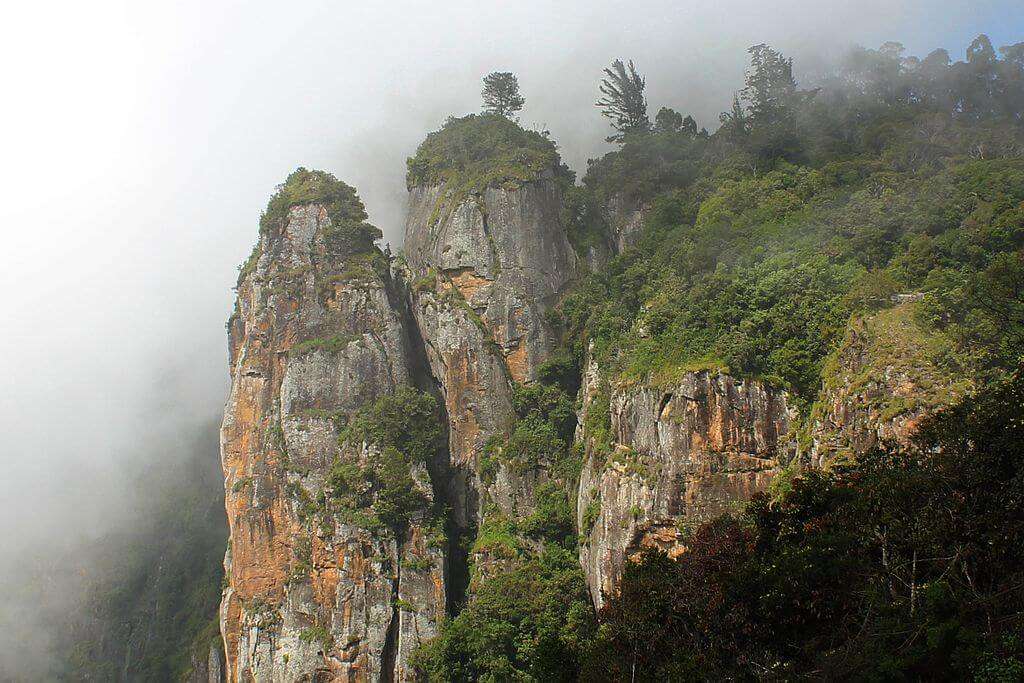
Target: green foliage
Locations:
point(317, 634)
point(769, 248)
point(397, 496)
point(330, 344)
point(405, 605)
point(349, 232)
point(498, 536)
point(561, 369)
point(597, 423)
point(553, 518)
point(623, 102)
point(501, 94)
point(250, 263)
point(903, 566)
point(759, 273)
point(894, 343)
point(406, 420)
point(549, 403)
point(644, 167)
point(490, 458)
point(404, 428)
point(478, 151)
point(532, 622)
point(425, 283)
point(584, 223)
point(542, 435)
point(534, 442)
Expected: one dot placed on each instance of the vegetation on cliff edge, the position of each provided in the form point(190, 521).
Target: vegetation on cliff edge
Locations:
point(474, 152)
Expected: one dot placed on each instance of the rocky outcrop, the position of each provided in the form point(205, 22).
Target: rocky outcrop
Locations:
point(484, 269)
point(314, 591)
point(887, 376)
point(625, 218)
point(504, 252)
point(317, 590)
point(206, 667)
point(677, 456)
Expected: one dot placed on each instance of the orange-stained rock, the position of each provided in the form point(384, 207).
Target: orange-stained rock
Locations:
point(500, 259)
point(310, 595)
point(887, 375)
point(681, 456)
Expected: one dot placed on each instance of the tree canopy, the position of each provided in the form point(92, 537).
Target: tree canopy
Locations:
point(501, 94)
point(623, 101)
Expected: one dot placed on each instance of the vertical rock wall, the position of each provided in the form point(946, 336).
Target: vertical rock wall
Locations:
point(679, 456)
point(625, 218)
point(313, 593)
point(484, 270)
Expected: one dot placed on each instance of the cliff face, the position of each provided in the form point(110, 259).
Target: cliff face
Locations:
point(319, 588)
point(625, 218)
point(313, 591)
point(886, 376)
point(316, 589)
point(678, 456)
point(484, 269)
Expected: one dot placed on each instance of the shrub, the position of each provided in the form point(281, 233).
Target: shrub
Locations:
point(552, 519)
point(479, 151)
point(404, 429)
point(531, 622)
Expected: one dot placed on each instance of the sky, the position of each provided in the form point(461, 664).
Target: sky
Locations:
point(141, 140)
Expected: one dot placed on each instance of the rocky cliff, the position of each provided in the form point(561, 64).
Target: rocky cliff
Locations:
point(345, 553)
point(485, 269)
point(625, 217)
point(314, 590)
point(672, 458)
point(317, 586)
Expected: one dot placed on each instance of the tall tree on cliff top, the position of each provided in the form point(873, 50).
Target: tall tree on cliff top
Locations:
point(770, 89)
point(623, 100)
point(501, 94)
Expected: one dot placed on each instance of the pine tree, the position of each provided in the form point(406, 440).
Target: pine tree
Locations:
point(623, 100)
point(771, 88)
point(501, 94)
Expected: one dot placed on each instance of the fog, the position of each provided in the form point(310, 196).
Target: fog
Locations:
point(140, 142)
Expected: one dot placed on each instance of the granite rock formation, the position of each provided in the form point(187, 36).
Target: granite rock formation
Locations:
point(314, 593)
point(678, 456)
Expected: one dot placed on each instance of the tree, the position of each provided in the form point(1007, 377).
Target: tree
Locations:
point(668, 120)
point(771, 88)
point(735, 122)
point(623, 100)
point(501, 94)
point(1011, 73)
point(980, 51)
point(690, 127)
